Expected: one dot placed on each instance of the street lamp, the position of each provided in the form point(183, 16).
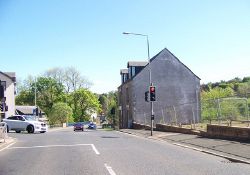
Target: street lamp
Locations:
point(150, 81)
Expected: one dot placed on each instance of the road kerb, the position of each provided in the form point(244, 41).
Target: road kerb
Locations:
point(232, 159)
point(213, 153)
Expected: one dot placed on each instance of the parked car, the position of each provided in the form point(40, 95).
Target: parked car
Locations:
point(20, 123)
point(92, 126)
point(78, 126)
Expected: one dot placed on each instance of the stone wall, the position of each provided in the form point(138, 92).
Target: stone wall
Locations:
point(227, 132)
point(167, 128)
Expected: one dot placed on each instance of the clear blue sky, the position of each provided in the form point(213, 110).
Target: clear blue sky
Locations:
point(211, 37)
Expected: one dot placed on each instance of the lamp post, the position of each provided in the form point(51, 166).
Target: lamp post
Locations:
point(150, 80)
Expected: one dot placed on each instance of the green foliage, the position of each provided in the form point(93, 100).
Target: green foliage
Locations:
point(246, 79)
point(49, 91)
point(104, 102)
point(84, 103)
point(112, 107)
point(25, 97)
point(216, 103)
point(109, 106)
point(244, 90)
point(60, 113)
point(59, 86)
point(217, 93)
point(229, 110)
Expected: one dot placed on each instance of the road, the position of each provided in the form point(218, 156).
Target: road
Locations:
point(64, 152)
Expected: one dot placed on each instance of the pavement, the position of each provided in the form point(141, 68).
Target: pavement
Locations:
point(234, 151)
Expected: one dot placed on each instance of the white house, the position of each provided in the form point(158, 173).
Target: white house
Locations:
point(8, 81)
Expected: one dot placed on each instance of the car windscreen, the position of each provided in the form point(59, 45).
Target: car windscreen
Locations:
point(78, 124)
point(30, 118)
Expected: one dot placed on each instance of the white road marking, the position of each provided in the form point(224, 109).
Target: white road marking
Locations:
point(7, 146)
point(110, 170)
point(94, 148)
point(50, 146)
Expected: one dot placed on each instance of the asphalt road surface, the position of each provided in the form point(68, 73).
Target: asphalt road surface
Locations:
point(99, 152)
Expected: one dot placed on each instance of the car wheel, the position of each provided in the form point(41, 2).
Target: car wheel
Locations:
point(18, 131)
point(30, 129)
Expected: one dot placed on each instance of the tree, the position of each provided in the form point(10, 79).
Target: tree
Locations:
point(49, 92)
point(244, 90)
point(112, 107)
point(210, 101)
point(73, 80)
point(84, 103)
point(217, 93)
point(70, 77)
point(25, 97)
point(246, 79)
point(56, 73)
point(60, 113)
point(25, 94)
point(103, 100)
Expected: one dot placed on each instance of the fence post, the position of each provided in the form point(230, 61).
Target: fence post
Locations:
point(175, 115)
point(193, 117)
point(163, 118)
point(218, 111)
point(247, 113)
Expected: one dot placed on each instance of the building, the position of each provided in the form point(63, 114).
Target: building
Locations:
point(177, 92)
point(31, 110)
point(8, 83)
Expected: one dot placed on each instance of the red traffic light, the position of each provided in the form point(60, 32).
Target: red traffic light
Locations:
point(152, 89)
point(152, 93)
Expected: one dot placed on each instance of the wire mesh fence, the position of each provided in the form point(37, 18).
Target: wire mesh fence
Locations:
point(226, 111)
point(223, 111)
point(171, 115)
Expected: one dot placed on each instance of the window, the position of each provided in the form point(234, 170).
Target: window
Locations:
point(129, 72)
point(13, 118)
point(3, 83)
point(133, 71)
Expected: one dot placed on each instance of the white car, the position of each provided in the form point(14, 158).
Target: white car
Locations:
point(27, 123)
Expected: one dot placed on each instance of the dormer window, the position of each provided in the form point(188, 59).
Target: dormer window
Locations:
point(134, 67)
point(124, 75)
point(132, 71)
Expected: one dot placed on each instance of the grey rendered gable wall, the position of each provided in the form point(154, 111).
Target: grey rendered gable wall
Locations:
point(177, 88)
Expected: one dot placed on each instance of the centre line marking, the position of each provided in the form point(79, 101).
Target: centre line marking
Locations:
point(110, 170)
point(51, 146)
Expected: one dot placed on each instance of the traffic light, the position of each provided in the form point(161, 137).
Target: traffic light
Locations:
point(1, 92)
point(36, 111)
point(152, 93)
point(1, 107)
point(146, 96)
point(6, 108)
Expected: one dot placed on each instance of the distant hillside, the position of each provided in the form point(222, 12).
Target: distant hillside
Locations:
point(237, 87)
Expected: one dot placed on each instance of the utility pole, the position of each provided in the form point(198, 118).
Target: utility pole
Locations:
point(150, 79)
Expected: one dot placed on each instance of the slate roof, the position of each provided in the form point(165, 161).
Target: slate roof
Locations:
point(10, 75)
point(124, 71)
point(137, 63)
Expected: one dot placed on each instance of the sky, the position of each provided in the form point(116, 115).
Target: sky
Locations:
point(211, 37)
